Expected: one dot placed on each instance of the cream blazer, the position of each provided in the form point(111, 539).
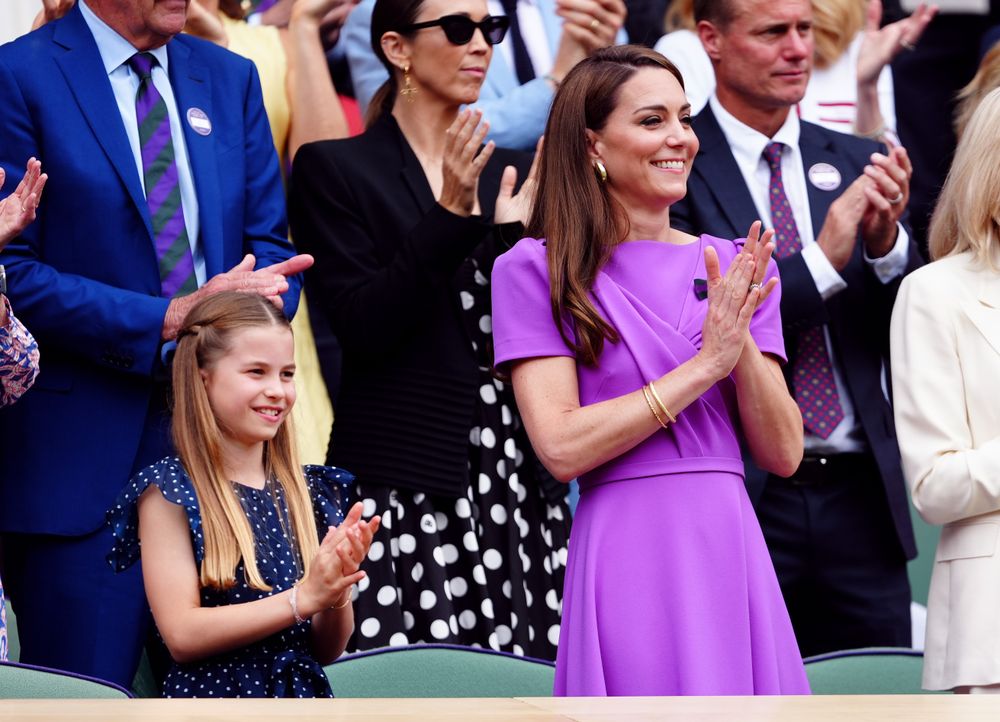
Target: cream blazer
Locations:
point(945, 339)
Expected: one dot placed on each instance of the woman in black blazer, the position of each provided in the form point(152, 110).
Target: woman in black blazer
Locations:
point(405, 222)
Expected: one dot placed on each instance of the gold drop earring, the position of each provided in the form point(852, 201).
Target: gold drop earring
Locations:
point(408, 90)
point(600, 172)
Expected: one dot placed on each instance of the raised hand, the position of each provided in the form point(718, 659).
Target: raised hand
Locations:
point(760, 250)
point(334, 569)
point(731, 303)
point(881, 44)
point(463, 162)
point(204, 22)
point(52, 10)
point(594, 24)
point(887, 195)
point(17, 210)
point(511, 207)
point(839, 233)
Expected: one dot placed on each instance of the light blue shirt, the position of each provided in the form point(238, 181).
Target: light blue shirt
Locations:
point(115, 53)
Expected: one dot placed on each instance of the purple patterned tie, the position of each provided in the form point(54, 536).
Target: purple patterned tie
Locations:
point(812, 373)
point(163, 192)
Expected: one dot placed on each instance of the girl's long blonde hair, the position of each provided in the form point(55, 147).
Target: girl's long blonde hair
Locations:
point(967, 216)
point(205, 338)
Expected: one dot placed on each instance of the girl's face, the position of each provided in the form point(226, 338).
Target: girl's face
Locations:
point(454, 73)
point(647, 144)
point(251, 388)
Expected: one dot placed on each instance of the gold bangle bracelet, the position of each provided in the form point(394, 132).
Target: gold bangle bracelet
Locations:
point(659, 402)
point(649, 403)
point(341, 606)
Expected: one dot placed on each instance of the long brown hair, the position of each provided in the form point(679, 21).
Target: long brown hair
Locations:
point(580, 220)
point(388, 16)
point(205, 338)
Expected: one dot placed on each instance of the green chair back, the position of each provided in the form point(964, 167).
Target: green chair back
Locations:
point(21, 681)
point(874, 670)
point(439, 670)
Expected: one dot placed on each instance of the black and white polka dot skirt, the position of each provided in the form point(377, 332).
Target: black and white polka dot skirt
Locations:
point(484, 569)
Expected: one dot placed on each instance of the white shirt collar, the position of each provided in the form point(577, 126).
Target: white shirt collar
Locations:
point(748, 144)
point(114, 49)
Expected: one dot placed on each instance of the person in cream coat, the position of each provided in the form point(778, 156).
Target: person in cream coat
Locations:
point(945, 337)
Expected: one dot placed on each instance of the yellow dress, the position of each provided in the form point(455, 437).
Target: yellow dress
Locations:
point(313, 413)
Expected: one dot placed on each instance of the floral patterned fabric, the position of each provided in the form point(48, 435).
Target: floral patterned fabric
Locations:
point(18, 369)
point(18, 358)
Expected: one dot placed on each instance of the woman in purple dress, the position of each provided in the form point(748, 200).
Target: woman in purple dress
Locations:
point(638, 354)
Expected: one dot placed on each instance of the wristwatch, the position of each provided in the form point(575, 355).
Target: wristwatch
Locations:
point(3, 281)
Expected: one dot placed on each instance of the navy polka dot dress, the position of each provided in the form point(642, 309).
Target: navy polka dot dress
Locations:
point(280, 665)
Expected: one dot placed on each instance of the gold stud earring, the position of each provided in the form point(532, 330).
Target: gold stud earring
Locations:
point(408, 90)
point(600, 171)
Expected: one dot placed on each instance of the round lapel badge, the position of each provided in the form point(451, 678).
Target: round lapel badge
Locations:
point(199, 121)
point(825, 177)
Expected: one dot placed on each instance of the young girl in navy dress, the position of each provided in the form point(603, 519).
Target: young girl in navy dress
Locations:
point(249, 598)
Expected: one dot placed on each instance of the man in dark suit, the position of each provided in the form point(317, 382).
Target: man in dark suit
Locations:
point(838, 529)
point(162, 176)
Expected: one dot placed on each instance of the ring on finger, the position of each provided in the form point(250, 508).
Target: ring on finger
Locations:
point(897, 200)
point(754, 287)
point(906, 44)
point(594, 23)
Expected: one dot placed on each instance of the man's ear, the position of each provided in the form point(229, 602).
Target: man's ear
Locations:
point(396, 49)
point(711, 39)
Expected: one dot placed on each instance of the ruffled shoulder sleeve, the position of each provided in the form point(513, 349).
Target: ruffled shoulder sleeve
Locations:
point(330, 491)
point(169, 476)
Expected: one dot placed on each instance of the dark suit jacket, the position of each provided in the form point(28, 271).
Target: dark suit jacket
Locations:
point(84, 277)
point(718, 202)
point(387, 257)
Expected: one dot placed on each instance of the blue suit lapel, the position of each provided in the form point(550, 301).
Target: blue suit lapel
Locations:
point(192, 86)
point(83, 68)
point(816, 148)
point(716, 164)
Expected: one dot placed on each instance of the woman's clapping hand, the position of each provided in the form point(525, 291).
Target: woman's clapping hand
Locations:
point(17, 210)
point(463, 162)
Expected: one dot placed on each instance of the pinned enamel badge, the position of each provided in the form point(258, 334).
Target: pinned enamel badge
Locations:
point(824, 176)
point(199, 121)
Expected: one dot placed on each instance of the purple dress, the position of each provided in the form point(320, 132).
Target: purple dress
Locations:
point(669, 587)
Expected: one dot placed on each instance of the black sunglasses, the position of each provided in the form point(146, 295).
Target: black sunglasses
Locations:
point(459, 28)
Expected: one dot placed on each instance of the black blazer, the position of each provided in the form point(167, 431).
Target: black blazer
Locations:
point(387, 256)
point(719, 203)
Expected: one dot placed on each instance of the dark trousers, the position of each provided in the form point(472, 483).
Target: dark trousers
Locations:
point(834, 547)
point(73, 611)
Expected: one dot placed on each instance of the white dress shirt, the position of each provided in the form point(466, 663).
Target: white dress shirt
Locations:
point(748, 147)
point(115, 53)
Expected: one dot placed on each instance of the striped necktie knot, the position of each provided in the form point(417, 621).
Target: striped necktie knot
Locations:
point(142, 65)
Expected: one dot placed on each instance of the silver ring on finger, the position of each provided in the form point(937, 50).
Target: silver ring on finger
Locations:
point(897, 200)
point(754, 287)
point(906, 44)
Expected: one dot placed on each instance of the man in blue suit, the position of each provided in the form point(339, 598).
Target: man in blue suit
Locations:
point(517, 109)
point(839, 529)
point(162, 176)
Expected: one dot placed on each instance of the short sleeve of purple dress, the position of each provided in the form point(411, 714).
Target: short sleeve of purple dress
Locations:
point(669, 586)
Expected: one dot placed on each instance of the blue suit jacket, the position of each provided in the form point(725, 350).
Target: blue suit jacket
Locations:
point(719, 203)
point(84, 277)
point(517, 113)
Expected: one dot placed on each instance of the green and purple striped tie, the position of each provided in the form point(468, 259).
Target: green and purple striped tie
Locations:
point(163, 192)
